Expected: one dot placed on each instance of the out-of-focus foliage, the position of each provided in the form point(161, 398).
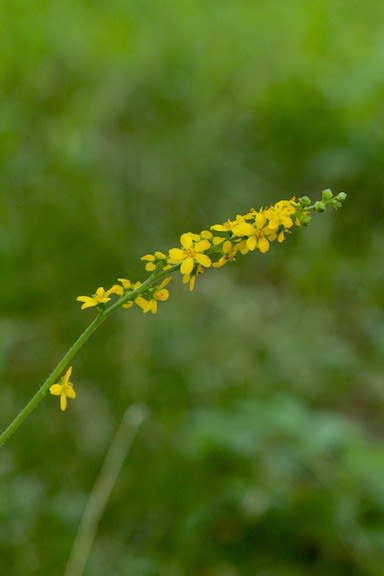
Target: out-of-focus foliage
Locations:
point(122, 125)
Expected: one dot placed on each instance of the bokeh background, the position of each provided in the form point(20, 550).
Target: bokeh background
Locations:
point(122, 125)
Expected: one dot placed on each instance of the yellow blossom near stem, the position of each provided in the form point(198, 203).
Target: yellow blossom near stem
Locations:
point(64, 389)
point(190, 279)
point(120, 289)
point(191, 253)
point(281, 215)
point(258, 234)
point(206, 235)
point(229, 252)
point(159, 294)
point(101, 296)
point(142, 302)
point(128, 285)
point(153, 261)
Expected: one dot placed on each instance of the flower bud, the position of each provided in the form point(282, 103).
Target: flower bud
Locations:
point(305, 201)
point(326, 195)
point(319, 206)
point(305, 219)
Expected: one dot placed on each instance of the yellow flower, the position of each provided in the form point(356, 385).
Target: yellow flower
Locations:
point(64, 389)
point(101, 296)
point(257, 234)
point(281, 214)
point(160, 294)
point(158, 259)
point(191, 253)
point(229, 252)
point(190, 279)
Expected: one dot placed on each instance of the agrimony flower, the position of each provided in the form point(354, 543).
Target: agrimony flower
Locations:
point(154, 261)
point(159, 294)
point(191, 253)
point(64, 389)
point(101, 296)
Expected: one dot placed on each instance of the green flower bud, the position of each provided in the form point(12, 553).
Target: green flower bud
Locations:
point(341, 196)
point(319, 206)
point(305, 219)
point(327, 195)
point(305, 201)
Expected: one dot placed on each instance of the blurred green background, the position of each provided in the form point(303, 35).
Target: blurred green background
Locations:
point(122, 125)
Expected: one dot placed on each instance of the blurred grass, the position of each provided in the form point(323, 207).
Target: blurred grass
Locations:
point(121, 126)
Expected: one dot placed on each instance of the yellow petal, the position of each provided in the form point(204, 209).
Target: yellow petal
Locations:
point(55, 389)
point(142, 302)
point(162, 294)
point(251, 243)
point(243, 229)
point(260, 220)
point(70, 392)
point(202, 246)
point(204, 260)
point(116, 289)
point(187, 266)
point(63, 402)
point(263, 245)
point(67, 375)
point(88, 302)
point(186, 240)
point(176, 254)
point(125, 283)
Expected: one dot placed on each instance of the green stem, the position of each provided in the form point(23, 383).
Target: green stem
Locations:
point(74, 349)
point(42, 391)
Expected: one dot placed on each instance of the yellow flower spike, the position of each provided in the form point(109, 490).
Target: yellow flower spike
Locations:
point(101, 296)
point(197, 252)
point(64, 389)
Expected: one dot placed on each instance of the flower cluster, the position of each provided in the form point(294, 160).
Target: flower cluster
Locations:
point(222, 243)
